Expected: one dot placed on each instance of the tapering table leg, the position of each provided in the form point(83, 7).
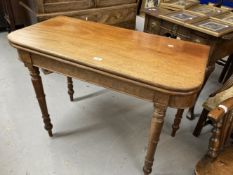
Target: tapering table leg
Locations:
point(38, 87)
point(70, 88)
point(155, 131)
point(177, 120)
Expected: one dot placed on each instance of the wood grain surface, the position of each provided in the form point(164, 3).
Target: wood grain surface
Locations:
point(154, 60)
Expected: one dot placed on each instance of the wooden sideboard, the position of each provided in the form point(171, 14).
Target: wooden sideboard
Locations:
point(114, 12)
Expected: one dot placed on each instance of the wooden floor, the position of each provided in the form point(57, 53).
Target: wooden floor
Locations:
point(223, 165)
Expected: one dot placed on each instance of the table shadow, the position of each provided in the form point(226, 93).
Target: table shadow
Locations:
point(91, 95)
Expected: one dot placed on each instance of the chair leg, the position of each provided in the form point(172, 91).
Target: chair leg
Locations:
point(229, 72)
point(200, 123)
point(224, 71)
point(177, 120)
point(70, 88)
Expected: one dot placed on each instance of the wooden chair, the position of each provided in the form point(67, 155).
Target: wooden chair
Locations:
point(212, 102)
point(219, 159)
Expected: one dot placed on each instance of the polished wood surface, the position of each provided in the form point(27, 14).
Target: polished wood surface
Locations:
point(119, 51)
point(123, 60)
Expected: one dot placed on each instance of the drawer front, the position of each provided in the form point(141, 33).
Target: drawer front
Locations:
point(183, 33)
point(106, 3)
point(123, 16)
point(62, 6)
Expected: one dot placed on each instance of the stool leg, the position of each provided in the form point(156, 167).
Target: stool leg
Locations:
point(38, 87)
point(200, 123)
point(177, 120)
point(155, 131)
point(70, 88)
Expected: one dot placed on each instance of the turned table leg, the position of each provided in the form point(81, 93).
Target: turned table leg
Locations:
point(70, 88)
point(155, 131)
point(177, 120)
point(38, 87)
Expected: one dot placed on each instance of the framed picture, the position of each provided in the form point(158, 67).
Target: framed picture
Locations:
point(213, 27)
point(226, 18)
point(178, 4)
point(209, 10)
point(182, 17)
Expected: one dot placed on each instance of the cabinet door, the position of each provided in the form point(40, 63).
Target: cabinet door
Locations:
point(51, 6)
point(106, 3)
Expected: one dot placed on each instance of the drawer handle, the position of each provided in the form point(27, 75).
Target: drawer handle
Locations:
point(153, 24)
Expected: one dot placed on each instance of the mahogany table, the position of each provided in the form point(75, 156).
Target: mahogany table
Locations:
point(119, 59)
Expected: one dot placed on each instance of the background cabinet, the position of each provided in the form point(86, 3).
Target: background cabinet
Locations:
point(120, 13)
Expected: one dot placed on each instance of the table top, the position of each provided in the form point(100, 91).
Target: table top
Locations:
point(154, 60)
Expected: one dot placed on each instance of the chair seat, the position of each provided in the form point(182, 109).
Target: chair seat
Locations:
point(213, 102)
point(222, 165)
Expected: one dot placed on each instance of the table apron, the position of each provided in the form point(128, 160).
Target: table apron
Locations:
point(107, 80)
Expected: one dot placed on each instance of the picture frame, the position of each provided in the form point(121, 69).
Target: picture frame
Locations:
point(209, 10)
point(227, 17)
point(178, 4)
point(212, 27)
point(183, 16)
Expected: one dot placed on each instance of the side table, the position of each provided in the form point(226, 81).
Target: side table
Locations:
point(219, 46)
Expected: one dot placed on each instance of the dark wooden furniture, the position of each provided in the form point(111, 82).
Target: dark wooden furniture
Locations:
point(225, 92)
point(67, 46)
point(227, 70)
point(3, 23)
point(219, 46)
point(13, 13)
point(219, 159)
point(139, 6)
point(114, 12)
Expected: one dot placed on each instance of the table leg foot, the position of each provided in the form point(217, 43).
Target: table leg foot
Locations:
point(38, 87)
point(176, 124)
point(70, 88)
point(155, 131)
